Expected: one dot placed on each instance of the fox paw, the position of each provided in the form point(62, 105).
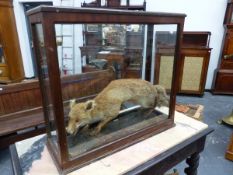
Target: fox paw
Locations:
point(95, 132)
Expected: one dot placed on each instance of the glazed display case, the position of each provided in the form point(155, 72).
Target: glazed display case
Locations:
point(78, 137)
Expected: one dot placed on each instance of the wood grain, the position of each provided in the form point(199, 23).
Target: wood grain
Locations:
point(9, 40)
point(229, 153)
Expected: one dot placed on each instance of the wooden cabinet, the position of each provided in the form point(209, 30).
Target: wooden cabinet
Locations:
point(3, 66)
point(11, 67)
point(113, 3)
point(195, 55)
point(114, 58)
point(194, 68)
point(224, 73)
point(133, 53)
point(223, 83)
point(229, 152)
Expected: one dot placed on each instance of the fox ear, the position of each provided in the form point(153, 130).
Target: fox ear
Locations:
point(90, 104)
point(72, 103)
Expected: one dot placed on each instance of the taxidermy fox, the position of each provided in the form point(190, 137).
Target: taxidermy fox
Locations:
point(106, 105)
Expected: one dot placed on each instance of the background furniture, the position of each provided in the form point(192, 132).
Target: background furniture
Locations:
point(133, 53)
point(11, 66)
point(115, 4)
point(223, 83)
point(195, 55)
point(116, 59)
point(160, 155)
point(132, 49)
point(229, 153)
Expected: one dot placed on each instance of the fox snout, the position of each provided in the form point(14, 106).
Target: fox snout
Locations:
point(71, 128)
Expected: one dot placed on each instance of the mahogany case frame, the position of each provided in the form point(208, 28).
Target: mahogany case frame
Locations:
point(48, 17)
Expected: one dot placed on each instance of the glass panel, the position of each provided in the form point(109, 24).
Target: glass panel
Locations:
point(134, 50)
point(2, 58)
point(92, 47)
point(124, 2)
point(46, 83)
point(163, 54)
point(232, 17)
point(165, 41)
point(94, 116)
point(65, 47)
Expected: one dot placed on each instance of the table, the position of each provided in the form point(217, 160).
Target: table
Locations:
point(154, 155)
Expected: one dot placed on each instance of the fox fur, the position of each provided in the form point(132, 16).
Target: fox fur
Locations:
point(106, 105)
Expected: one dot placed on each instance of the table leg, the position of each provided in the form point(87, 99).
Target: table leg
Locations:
point(193, 162)
point(15, 160)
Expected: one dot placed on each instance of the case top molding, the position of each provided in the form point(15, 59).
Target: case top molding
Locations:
point(164, 17)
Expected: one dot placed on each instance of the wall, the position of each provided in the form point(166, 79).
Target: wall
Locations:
point(23, 34)
point(201, 16)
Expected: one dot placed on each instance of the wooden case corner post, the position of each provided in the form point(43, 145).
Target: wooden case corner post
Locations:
point(11, 65)
point(74, 151)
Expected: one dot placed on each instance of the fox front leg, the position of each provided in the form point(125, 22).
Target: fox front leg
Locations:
point(101, 125)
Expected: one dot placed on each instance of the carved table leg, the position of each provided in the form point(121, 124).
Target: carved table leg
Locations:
point(193, 162)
